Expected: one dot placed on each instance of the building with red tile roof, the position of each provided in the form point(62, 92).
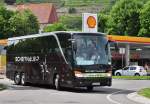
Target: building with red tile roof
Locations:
point(45, 12)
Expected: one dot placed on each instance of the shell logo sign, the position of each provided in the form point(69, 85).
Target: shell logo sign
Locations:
point(89, 22)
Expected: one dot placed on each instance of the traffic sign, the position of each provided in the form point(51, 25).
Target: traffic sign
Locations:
point(122, 50)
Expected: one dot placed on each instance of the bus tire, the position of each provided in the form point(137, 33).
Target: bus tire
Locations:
point(90, 88)
point(57, 82)
point(17, 78)
point(23, 82)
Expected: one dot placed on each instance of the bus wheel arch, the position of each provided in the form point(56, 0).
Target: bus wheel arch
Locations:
point(89, 88)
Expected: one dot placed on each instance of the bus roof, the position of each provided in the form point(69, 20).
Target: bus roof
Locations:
point(51, 33)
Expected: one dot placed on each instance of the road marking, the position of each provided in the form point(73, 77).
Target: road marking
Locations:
point(111, 100)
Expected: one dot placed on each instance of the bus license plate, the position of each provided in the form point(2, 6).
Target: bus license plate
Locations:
point(96, 84)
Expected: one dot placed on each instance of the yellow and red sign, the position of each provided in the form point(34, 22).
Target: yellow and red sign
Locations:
point(89, 22)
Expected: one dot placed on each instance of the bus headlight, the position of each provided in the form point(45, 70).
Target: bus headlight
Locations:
point(109, 74)
point(78, 74)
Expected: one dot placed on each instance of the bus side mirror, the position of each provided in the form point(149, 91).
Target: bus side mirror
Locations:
point(68, 54)
point(75, 47)
point(73, 41)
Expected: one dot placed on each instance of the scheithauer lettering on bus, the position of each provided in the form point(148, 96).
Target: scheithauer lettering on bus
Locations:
point(27, 59)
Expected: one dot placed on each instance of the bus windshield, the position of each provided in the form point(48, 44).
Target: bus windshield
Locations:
point(91, 50)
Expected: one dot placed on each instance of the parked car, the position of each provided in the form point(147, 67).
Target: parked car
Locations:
point(131, 71)
point(148, 72)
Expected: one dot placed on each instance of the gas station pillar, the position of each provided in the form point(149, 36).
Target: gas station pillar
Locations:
point(127, 54)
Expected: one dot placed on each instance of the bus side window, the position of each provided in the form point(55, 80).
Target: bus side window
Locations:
point(68, 55)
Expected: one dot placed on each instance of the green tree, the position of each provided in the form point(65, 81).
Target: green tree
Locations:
point(5, 15)
point(72, 10)
point(1, 1)
point(72, 22)
point(145, 20)
point(102, 22)
point(125, 18)
point(23, 23)
point(108, 7)
point(17, 23)
point(32, 22)
point(55, 27)
point(20, 1)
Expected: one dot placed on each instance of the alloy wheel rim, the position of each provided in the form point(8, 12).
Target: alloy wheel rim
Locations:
point(17, 78)
point(56, 81)
point(22, 79)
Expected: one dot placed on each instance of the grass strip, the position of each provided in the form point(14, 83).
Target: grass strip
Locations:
point(145, 92)
point(2, 87)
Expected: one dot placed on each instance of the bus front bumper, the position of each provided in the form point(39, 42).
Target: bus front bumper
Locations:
point(84, 82)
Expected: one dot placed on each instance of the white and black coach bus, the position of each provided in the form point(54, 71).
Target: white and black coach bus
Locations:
point(61, 59)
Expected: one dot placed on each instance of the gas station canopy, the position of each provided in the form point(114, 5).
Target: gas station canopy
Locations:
point(129, 39)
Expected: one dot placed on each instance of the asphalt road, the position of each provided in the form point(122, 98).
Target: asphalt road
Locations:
point(116, 94)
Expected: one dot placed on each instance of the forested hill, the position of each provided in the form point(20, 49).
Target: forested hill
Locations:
point(72, 6)
point(66, 2)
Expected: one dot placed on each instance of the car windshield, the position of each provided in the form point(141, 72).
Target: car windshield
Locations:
point(91, 50)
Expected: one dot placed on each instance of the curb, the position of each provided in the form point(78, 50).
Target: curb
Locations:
point(137, 98)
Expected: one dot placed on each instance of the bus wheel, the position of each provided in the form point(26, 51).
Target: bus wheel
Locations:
point(23, 79)
point(89, 88)
point(57, 82)
point(17, 78)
